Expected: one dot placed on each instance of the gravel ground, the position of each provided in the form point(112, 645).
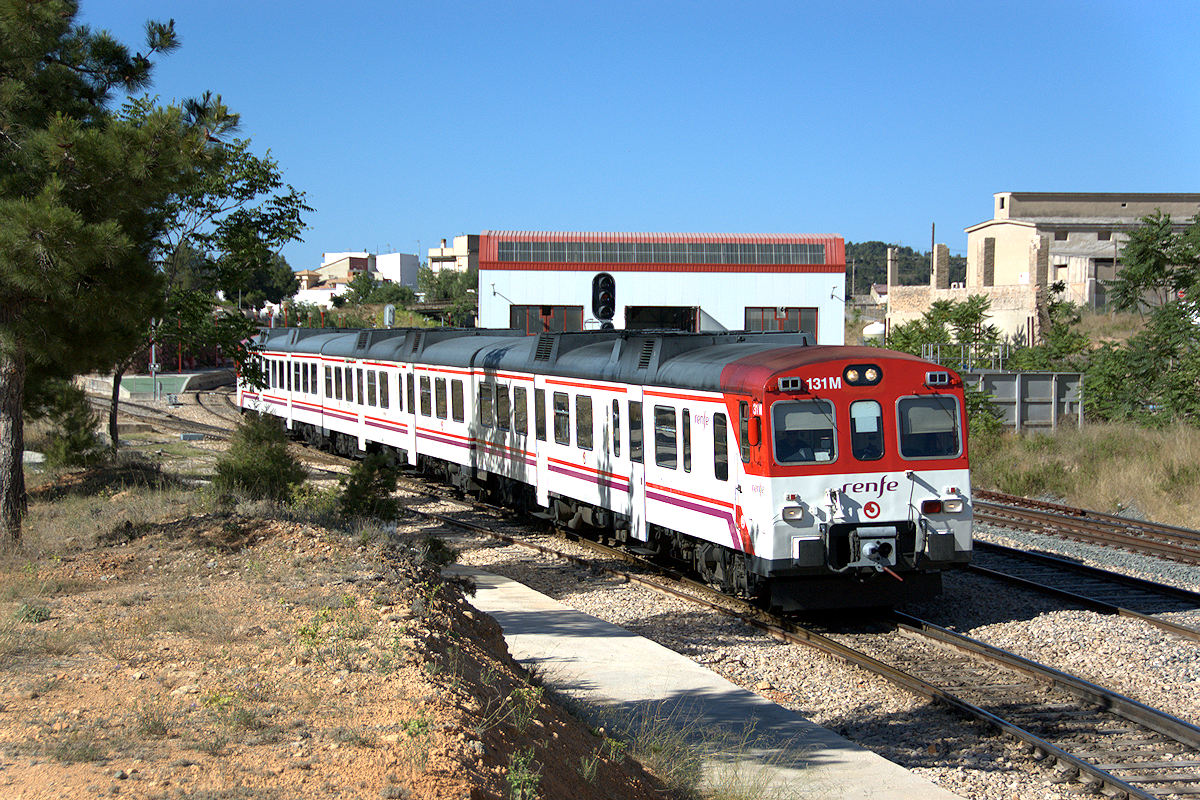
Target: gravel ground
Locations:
point(966, 758)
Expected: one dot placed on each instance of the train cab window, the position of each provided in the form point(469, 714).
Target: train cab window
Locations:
point(666, 446)
point(503, 408)
point(539, 414)
point(439, 397)
point(426, 397)
point(456, 400)
point(635, 432)
point(358, 383)
point(804, 431)
point(337, 383)
point(384, 378)
point(616, 427)
point(371, 394)
point(328, 382)
point(720, 447)
point(486, 417)
point(412, 394)
point(562, 418)
point(866, 430)
point(520, 410)
point(929, 427)
point(686, 425)
point(583, 422)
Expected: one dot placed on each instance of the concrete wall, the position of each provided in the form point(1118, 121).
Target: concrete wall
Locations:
point(1014, 309)
point(1012, 242)
point(1019, 205)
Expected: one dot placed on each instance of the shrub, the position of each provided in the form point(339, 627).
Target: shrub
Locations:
point(258, 463)
point(367, 490)
point(73, 441)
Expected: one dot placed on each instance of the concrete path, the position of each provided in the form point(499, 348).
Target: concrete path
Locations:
point(750, 742)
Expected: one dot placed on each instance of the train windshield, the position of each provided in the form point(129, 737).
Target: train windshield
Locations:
point(804, 431)
point(929, 427)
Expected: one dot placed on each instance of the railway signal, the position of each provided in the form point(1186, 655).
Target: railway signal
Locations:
point(604, 298)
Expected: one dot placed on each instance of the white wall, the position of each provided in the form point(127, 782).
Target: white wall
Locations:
point(398, 268)
point(722, 295)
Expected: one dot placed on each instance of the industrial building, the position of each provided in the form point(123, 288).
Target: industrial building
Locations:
point(539, 280)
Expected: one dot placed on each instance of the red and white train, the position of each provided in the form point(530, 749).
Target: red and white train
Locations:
point(810, 476)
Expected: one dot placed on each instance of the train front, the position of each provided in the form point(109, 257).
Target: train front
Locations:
point(868, 488)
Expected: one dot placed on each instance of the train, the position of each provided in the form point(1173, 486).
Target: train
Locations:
point(804, 476)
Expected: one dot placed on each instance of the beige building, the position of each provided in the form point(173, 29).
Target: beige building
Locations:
point(464, 255)
point(1034, 240)
point(1075, 237)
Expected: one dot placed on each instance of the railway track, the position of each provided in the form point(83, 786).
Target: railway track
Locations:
point(1149, 538)
point(1100, 739)
point(1097, 589)
point(159, 417)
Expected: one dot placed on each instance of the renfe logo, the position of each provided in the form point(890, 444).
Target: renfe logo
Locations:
point(876, 488)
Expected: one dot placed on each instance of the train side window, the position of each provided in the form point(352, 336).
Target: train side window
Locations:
point(456, 400)
point(666, 445)
point(384, 379)
point(744, 430)
point(348, 376)
point(520, 410)
point(539, 414)
point(426, 397)
point(337, 383)
point(303, 377)
point(866, 430)
point(313, 379)
point(686, 423)
point(720, 447)
point(562, 418)
point(328, 382)
point(439, 397)
point(271, 373)
point(358, 386)
point(503, 407)
point(485, 405)
point(412, 394)
point(371, 396)
point(635, 432)
point(583, 422)
point(288, 369)
point(616, 427)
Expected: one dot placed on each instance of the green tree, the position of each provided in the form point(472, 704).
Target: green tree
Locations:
point(1159, 263)
point(456, 287)
point(960, 327)
point(82, 195)
point(1063, 347)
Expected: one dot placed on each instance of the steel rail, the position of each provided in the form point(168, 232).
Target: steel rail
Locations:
point(1182, 597)
point(1099, 517)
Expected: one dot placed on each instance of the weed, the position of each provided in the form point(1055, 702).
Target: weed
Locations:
point(588, 765)
point(154, 719)
point(353, 736)
point(31, 613)
point(76, 749)
point(525, 701)
point(523, 776)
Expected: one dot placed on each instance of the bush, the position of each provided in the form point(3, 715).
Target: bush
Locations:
point(367, 490)
point(258, 464)
point(73, 441)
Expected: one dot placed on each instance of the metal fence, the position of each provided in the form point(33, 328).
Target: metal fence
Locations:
point(1033, 400)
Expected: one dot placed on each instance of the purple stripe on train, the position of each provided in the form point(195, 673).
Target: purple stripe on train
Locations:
point(712, 512)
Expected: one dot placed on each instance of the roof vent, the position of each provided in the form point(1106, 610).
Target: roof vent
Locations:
point(544, 347)
point(416, 341)
point(362, 340)
point(647, 354)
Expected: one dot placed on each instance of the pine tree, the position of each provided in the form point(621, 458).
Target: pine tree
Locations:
point(82, 193)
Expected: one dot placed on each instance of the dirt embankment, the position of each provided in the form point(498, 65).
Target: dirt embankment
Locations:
point(218, 655)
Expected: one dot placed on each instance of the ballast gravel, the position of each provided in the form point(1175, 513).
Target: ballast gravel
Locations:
point(964, 757)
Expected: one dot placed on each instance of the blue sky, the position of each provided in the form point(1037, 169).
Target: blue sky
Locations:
point(408, 122)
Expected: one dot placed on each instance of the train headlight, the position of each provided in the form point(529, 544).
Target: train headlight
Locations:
point(862, 375)
point(872, 375)
point(941, 506)
point(952, 506)
point(851, 375)
point(793, 513)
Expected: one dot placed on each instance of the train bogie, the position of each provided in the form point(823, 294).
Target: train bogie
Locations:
point(809, 476)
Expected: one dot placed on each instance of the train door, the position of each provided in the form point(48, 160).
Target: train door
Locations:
point(407, 378)
point(542, 470)
point(637, 465)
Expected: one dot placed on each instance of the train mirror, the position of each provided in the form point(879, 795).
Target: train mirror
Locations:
point(754, 432)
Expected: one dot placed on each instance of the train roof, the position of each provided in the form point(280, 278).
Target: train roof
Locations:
point(700, 361)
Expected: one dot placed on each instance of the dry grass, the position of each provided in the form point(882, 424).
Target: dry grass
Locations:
point(1111, 467)
point(1110, 326)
